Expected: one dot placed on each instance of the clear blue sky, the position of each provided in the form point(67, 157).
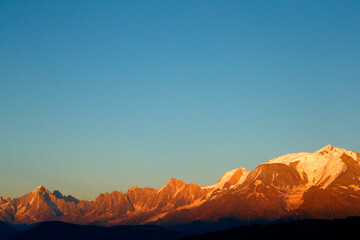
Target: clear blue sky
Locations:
point(97, 96)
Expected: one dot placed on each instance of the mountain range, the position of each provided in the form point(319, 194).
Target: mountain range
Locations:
point(320, 185)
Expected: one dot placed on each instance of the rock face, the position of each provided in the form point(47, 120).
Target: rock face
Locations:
point(4, 200)
point(324, 184)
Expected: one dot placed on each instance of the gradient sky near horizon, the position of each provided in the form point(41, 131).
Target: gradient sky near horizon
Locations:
point(97, 96)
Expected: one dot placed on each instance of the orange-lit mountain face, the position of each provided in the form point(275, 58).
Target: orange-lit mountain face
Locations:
point(323, 184)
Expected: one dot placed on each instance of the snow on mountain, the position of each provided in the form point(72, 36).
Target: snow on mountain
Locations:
point(318, 168)
point(237, 175)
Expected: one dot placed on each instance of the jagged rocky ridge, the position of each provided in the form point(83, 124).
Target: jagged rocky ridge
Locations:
point(324, 184)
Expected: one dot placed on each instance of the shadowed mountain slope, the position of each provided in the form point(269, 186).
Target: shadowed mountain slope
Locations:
point(7, 231)
point(61, 230)
point(298, 230)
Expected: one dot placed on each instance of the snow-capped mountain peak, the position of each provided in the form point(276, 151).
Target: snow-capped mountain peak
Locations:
point(230, 179)
point(335, 151)
point(328, 147)
point(320, 167)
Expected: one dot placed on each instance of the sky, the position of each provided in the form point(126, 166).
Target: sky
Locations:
point(97, 96)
